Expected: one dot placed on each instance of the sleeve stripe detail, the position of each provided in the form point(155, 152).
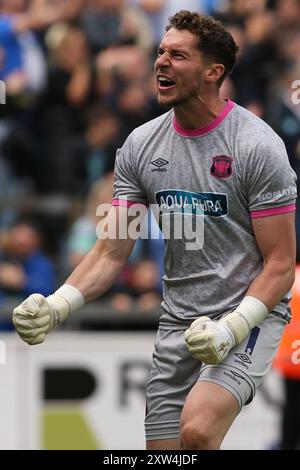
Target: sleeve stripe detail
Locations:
point(274, 211)
point(126, 203)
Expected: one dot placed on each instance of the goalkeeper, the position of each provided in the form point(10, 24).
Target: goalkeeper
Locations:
point(225, 300)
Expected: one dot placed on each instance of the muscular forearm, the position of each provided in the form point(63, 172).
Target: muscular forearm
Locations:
point(210, 341)
point(99, 269)
point(265, 292)
point(37, 315)
point(276, 240)
point(273, 283)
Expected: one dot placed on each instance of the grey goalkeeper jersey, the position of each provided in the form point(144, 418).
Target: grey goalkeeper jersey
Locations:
point(216, 179)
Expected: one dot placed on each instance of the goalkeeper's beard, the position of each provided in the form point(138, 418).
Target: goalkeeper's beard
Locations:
point(199, 98)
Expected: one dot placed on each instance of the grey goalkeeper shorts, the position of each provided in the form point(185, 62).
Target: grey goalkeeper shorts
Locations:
point(175, 371)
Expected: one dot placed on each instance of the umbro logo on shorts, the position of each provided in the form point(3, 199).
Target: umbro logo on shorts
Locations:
point(159, 164)
point(243, 357)
point(239, 376)
point(233, 376)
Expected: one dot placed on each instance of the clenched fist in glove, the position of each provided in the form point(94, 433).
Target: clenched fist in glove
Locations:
point(37, 315)
point(210, 341)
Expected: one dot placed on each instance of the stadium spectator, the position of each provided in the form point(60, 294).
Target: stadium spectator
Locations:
point(61, 113)
point(143, 285)
point(153, 10)
point(15, 20)
point(24, 267)
point(284, 116)
point(114, 22)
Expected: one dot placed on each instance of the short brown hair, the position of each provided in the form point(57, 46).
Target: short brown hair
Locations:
point(215, 42)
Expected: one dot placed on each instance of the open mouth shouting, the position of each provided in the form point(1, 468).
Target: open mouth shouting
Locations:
point(165, 83)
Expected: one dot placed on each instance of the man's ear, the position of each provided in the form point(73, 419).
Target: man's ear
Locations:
point(214, 72)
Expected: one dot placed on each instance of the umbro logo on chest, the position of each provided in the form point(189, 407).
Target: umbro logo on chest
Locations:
point(159, 165)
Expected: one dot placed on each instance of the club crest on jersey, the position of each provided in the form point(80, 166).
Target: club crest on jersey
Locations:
point(221, 166)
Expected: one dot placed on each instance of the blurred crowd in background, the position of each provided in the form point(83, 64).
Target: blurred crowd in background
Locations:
point(79, 78)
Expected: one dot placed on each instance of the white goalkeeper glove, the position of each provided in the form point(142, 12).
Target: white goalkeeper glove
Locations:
point(37, 315)
point(210, 341)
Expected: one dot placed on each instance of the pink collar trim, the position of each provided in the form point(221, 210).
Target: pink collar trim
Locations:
point(204, 130)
